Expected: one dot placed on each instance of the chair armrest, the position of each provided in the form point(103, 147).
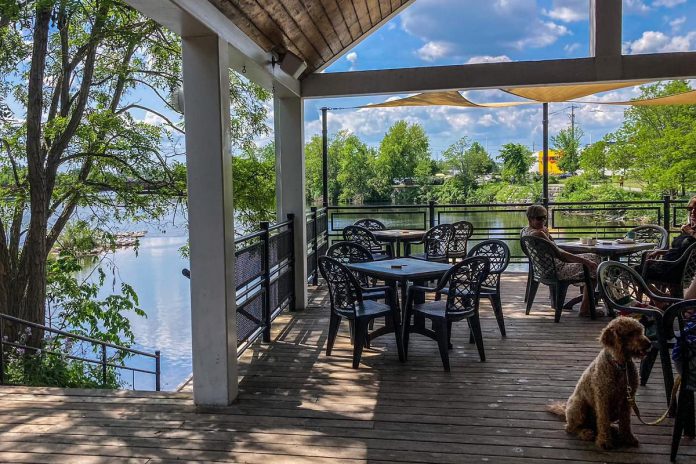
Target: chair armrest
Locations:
point(671, 313)
point(650, 312)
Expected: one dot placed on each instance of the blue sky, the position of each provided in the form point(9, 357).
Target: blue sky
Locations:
point(446, 32)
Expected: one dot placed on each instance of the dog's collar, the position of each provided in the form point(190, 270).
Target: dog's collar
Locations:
point(619, 366)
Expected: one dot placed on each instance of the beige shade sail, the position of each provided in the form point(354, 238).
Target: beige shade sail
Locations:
point(562, 93)
point(685, 98)
point(451, 98)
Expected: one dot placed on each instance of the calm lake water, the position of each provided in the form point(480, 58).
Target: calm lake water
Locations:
point(154, 270)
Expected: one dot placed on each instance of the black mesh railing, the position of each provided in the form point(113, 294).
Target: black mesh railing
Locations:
point(567, 221)
point(103, 364)
point(317, 241)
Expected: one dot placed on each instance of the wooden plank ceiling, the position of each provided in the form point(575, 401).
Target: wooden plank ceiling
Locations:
point(317, 31)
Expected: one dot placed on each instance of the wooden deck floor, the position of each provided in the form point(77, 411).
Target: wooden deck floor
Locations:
point(297, 405)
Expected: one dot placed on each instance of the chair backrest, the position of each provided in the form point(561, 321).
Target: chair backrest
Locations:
point(351, 252)
point(436, 241)
point(370, 224)
point(648, 234)
point(651, 234)
point(689, 272)
point(498, 254)
point(362, 236)
point(620, 285)
point(462, 232)
point(344, 289)
point(542, 256)
point(684, 351)
point(464, 281)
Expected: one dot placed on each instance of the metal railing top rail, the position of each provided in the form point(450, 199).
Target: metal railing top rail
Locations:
point(79, 337)
point(103, 362)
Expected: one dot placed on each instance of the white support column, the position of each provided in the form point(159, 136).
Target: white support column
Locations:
point(211, 228)
point(290, 181)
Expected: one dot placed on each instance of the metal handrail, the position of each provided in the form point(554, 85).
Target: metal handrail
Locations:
point(103, 361)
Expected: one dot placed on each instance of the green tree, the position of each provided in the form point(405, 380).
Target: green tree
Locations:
point(517, 159)
point(659, 141)
point(594, 159)
point(72, 67)
point(567, 143)
point(468, 161)
point(254, 185)
point(403, 148)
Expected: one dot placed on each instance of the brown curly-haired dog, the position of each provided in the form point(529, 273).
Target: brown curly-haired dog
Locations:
point(600, 396)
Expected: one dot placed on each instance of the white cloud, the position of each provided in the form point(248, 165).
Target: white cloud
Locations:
point(352, 57)
point(571, 48)
point(568, 11)
point(487, 120)
point(667, 3)
point(659, 42)
point(488, 59)
point(677, 23)
point(545, 34)
point(434, 50)
point(635, 7)
point(152, 118)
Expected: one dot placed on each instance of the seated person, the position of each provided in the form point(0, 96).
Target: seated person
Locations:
point(659, 267)
point(570, 266)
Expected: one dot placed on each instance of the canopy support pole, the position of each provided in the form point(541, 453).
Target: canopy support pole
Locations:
point(545, 162)
point(324, 159)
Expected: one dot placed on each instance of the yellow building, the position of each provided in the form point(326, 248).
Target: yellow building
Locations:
point(554, 170)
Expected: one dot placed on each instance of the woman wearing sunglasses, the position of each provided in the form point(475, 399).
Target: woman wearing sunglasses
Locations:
point(569, 266)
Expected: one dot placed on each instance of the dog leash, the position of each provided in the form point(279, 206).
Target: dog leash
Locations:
point(631, 397)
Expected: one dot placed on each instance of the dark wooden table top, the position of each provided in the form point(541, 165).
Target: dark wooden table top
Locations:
point(402, 269)
point(605, 247)
point(398, 234)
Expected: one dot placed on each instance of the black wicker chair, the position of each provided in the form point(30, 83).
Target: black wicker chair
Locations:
point(498, 253)
point(464, 283)
point(370, 224)
point(364, 237)
point(530, 270)
point(684, 314)
point(543, 255)
point(462, 232)
point(435, 244)
point(347, 301)
point(351, 252)
point(625, 292)
point(677, 274)
point(647, 234)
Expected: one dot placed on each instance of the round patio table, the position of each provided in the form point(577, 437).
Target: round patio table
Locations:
point(605, 248)
point(397, 236)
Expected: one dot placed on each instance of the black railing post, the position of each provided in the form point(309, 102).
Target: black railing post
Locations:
point(315, 247)
point(666, 219)
point(431, 212)
point(103, 359)
point(266, 306)
point(324, 159)
point(293, 257)
point(2, 352)
point(158, 370)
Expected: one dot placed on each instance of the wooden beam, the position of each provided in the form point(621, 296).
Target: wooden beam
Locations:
point(605, 28)
point(191, 18)
point(498, 75)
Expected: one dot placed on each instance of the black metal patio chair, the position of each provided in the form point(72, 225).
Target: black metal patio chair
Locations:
point(370, 224)
point(677, 274)
point(346, 296)
point(626, 293)
point(498, 253)
point(544, 256)
point(364, 237)
point(351, 252)
point(530, 270)
point(684, 314)
point(458, 244)
point(647, 234)
point(435, 244)
point(463, 281)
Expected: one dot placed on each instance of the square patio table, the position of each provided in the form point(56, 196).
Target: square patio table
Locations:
point(399, 272)
point(398, 236)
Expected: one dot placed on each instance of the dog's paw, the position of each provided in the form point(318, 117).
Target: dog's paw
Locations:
point(586, 434)
point(630, 440)
point(604, 442)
